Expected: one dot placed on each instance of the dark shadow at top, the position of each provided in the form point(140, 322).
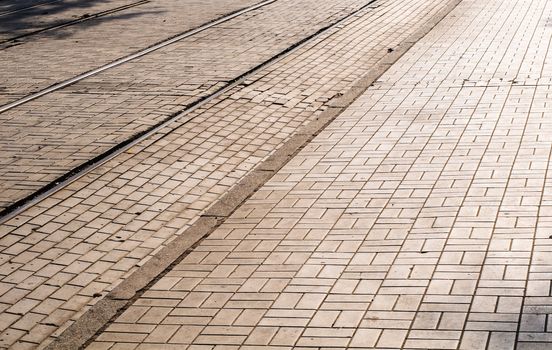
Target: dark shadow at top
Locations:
point(21, 20)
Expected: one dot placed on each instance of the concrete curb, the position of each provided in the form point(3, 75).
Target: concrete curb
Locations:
point(99, 316)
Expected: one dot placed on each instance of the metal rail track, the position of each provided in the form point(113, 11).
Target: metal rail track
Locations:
point(81, 19)
point(81, 170)
point(21, 9)
point(133, 56)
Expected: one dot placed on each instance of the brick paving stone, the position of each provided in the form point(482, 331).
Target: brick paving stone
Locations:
point(423, 207)
point(118, 216)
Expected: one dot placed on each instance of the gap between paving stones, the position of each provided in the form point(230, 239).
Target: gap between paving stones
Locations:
point(87, 327)
point(81, 170)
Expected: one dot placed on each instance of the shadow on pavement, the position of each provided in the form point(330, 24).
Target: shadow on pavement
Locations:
point(27, 17)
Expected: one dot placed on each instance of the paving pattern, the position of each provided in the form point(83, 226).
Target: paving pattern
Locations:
point(62, 255)
point(46, 138)
point(418, 219)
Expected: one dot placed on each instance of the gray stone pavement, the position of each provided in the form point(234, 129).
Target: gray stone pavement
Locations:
point(46, 138)
point(418, 219)
point(65, 253)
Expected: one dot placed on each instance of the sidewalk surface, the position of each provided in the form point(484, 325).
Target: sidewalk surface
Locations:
point(419, 218)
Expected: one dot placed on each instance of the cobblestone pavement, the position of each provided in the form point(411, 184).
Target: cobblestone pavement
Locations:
point(62, 255)
point(48, 137)
point(418, 219)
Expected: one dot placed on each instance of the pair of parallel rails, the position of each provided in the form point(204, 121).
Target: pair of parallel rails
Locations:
point(79, 171)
